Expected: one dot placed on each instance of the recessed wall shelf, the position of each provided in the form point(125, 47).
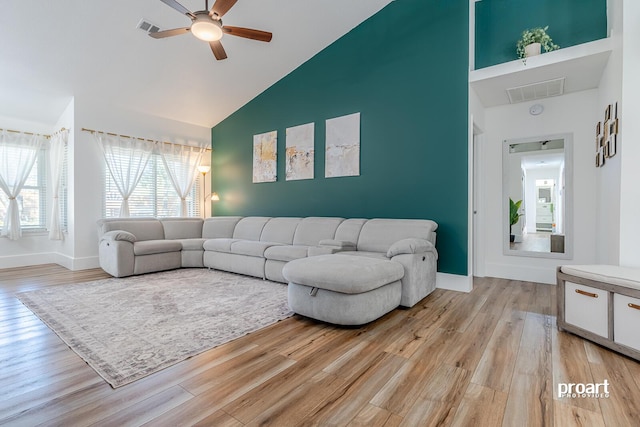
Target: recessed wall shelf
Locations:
point(581, 65)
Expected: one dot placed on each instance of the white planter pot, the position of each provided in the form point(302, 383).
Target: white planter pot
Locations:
point(532, 49)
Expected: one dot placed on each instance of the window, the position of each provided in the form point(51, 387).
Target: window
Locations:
point(154, 195)
point(32, 200)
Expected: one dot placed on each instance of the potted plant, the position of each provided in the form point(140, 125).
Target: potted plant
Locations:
point(514, 216)
point(532, 40)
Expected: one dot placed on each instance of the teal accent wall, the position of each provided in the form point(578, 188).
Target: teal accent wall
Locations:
point(500, 23)
point(411, 89)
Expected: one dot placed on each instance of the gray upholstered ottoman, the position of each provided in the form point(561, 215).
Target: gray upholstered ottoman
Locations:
point(343, 289)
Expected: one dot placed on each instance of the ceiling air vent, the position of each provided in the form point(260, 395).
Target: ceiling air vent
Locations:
point(147, 26)
point(538, 90)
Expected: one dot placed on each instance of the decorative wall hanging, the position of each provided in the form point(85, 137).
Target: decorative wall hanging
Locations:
point(300, 152)
point(342, 155)
point(265, 154)
point(607, 138)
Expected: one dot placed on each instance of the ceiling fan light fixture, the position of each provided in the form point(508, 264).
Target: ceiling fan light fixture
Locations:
point(206, 29)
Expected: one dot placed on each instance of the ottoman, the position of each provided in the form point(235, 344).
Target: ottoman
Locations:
point(343, 289)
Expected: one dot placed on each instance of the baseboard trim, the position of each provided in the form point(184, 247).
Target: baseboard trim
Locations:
point(27, 260)
point(525, 273)
point(65, 261)
point(76, 264)
point(454, 282)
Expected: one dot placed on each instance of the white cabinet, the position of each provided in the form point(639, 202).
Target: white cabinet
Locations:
point(587, 308)
point(626, 320)
point(601, 304)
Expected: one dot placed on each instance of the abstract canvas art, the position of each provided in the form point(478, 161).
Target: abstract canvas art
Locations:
point(342, 152)
point(265, 154)
point(300, 152)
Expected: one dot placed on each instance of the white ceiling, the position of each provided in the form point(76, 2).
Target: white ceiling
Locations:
point(51, 51)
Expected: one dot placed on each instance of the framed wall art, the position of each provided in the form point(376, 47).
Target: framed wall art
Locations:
point(299, 153)
point(265, 156)
point(342, 151)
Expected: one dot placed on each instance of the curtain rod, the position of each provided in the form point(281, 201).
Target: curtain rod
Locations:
point(31, 133)
point(141, 139)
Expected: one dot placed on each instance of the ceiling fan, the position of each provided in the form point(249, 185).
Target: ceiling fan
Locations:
point(207, 26)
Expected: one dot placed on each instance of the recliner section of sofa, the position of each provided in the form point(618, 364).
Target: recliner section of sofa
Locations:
point(262, 246)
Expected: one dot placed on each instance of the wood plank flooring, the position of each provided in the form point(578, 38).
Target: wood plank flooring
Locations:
point(492, 357)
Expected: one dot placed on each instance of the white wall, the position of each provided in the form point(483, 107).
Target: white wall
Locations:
point(573, 113)
point(608, 177)
point(79, 250)
point(32, 248)
point(86, 176)
point(630, 129)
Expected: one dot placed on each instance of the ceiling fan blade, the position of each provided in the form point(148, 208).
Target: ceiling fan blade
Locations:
point(180, 8)
point(170, 33)
point(220, 7)
point(218, 50)
point(248, 33)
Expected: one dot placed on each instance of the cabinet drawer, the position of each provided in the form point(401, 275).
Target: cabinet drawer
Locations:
point(626, 321)
point(586, 308)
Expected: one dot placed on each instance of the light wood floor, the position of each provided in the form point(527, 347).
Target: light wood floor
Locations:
point(491, 357)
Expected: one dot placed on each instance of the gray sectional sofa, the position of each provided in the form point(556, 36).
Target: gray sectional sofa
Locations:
point(402, 249)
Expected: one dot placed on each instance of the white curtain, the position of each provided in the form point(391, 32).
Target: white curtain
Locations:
point(126, 159)
point(181, 162)
point(57, 146)
point(18, 153)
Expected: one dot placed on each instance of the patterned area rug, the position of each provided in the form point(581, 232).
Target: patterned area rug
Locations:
point(129, 328)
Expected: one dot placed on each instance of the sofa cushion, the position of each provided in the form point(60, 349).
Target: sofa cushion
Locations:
point(346, 274)
point(149, 247)
point(280, 230)
point(192, 244)
point(627, 277)
point(182, 228)
point(219, 226)
point(250, 228)
point(349, 229)
point(286, 253)
point(312, 230)
point(377, 235)
point(142, 228)
point(250, 247)
point(218, 245)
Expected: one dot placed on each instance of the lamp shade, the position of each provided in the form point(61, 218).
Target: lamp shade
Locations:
point(204, 169)
point(206, 29)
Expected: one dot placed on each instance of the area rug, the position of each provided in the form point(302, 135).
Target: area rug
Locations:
point(129, 328)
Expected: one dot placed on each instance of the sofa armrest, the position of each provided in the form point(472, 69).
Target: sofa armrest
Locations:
point(115, 253)
point(118, 235)
point(339, 244)
point(411, 246)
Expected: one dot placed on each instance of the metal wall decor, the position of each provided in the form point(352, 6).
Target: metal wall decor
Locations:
point(607, 135)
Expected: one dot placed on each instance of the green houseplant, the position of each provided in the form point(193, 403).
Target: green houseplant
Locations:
point(514, 216)
point(535, 35)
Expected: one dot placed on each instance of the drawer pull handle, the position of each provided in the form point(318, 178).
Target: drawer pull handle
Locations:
point(636, 306)
point(586, 294)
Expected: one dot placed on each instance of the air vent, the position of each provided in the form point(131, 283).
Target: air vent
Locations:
point(147, 26)
point(534, 91)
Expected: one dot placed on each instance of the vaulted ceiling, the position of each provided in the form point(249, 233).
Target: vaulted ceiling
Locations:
point(51, 51)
